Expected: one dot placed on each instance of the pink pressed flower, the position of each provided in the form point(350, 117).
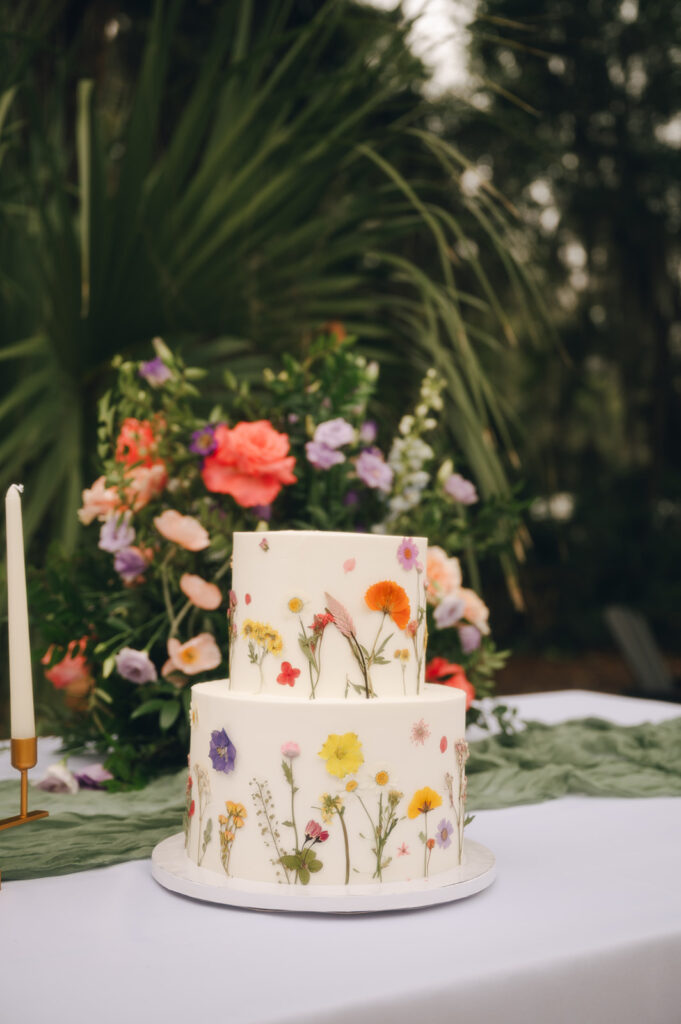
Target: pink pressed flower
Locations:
point(411, 628)
point(349, 564)
point(99, 502)
point(313, 829)
point(443, 744)
point(200, 592)
point(403, 850)
point(419, 732)
point(248, 598)
point(184, 531)
point(407, 553)
point(290, 750)
point(199, 654)
point(192, 808)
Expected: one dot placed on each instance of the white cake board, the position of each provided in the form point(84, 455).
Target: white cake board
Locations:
point(172, 868)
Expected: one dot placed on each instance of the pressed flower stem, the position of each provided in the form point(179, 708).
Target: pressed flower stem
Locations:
point(293, 815)
point(377, 838)
point(263, 804)
point(347, 846)
point(425, 846)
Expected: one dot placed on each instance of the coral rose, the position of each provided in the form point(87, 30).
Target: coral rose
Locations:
point(251, 463)
point(475, 610)
point(72, 674)
point(185, 531)
point(99, 502)
point(448, 673)
point(443, 575)
point(136, 443)
point(144, 483)
point(200, 592)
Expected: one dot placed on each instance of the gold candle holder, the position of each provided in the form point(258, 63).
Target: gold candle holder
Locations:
point(24, 754)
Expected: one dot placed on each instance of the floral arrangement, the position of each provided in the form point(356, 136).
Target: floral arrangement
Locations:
point(143, 610)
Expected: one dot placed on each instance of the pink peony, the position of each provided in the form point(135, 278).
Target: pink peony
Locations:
point(475, 610)
point(200, 592)
point(143, 483)
point(99, 502)
point(443, 575)
point(185, 531)
point(251, 462)
point(199, 654)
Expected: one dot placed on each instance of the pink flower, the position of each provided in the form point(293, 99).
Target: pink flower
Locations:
point(99, 502)
point(443, 575)
point(72, 673)
point(349, 564)
point(288, 674)
point(313, 830)
point(403, 850)
point(185, 531)
point(192, 809)
point(199, 654)
point(411, 629)
point(144, 483)
point(407, 553)
point(419, 732)
point(290, 750)
point(443, 744)
point(475, 610)
point(200, 592)
point(251, 462)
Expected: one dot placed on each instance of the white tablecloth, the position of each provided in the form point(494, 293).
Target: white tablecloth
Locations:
point(582, 925)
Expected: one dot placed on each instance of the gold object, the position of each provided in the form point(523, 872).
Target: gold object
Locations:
point(24, 754)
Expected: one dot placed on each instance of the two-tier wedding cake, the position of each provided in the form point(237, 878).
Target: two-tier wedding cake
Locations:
point(325, 758)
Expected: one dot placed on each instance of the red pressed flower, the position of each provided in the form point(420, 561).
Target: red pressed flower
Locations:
point(448, 673)
point(430, 844)
point(288, 674)
point(320, 622)
point(443, 744)
point(323, 836)
point(192, 808)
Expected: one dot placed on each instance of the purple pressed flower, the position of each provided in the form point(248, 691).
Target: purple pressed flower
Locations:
point(368, 432)
point(443, 836)
point(321, 456)
point(155, 372)
point(470, 638)
point(374, 471)
point(449, 611)
point(334, 433)
point(116, 533)
point(222, 751)
point(262, 512)
point(460, 489)
point(93, 777)
point(129, 563)
point(407, 553)
point(203, 441)
point(135, 666)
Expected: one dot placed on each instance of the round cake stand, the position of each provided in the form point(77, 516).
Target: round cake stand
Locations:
point(171, 867)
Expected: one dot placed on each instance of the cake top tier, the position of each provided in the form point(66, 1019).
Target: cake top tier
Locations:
point(315, 615)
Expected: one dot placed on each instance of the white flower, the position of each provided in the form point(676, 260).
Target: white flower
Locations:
point(58, 779)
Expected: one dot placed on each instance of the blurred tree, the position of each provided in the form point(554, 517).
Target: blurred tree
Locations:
point(576, 115)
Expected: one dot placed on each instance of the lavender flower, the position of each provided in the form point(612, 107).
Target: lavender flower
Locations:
point(321, 456)
point(135, 666)
point(93, 777)
point(203, 441)
point(470, 638)
point(59, 780)
point(351, 499)
point(129, 563)
point(407, 554)
point(334, 433)
point(368, 432)
point(449, 611)
point(262, 512)
point(373, 470)
point(461, 490)
point(222, 751)
point(155, 372)
point(443, 836)
point(116, 533)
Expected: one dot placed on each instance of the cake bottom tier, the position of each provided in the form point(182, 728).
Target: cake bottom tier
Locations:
point(330, 792)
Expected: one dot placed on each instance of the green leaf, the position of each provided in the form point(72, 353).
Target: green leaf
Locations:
point(290, 860)
point(303, 876)
point(156, 704)
point(169, 713)
point(288, 824)
point(315, 865)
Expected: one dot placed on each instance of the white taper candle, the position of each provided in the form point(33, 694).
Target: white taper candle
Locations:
point(22, 719)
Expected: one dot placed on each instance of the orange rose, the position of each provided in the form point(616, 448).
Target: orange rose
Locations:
point(136, 443)
point(251, 462)
point(390, 598)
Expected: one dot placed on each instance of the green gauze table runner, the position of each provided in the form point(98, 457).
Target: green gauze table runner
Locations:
point(590, 756)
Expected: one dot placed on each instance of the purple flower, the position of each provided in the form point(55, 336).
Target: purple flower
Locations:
point(443, 836)
point(135, 666)
point(374, 471)
point(155, 372)
point(470, 638)
point(116, 533)
point(203, 441)
point(460, 489)
point(93, 777)
point(449, 611)
point(334, 433)
point(351, 499)
point(407, 553)
point(321, 456)
point(129, 563)
point(222, 751)
point(262, 512)
point(368, 432)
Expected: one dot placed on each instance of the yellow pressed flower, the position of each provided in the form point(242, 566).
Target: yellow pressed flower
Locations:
point(343, 754)
point(330, 805)
point(381, 778)
point(295, 605)
point(237, 812)
point(248, 628)
point(351, 786)
point(227, 837)
point(423, 800)
point(223, 819)
point(275, 644)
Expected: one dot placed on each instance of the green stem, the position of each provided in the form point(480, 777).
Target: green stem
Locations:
point(347, 847)
point(425, 846)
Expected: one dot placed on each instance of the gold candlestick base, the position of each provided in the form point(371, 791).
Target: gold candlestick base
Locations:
point(24, 754)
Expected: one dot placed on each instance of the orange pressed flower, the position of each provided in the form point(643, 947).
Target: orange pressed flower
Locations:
point(390, 598)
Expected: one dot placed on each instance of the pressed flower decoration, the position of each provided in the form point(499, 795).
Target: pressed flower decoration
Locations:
point(222, 751)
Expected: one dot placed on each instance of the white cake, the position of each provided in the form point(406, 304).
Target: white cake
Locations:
point(325, 758)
